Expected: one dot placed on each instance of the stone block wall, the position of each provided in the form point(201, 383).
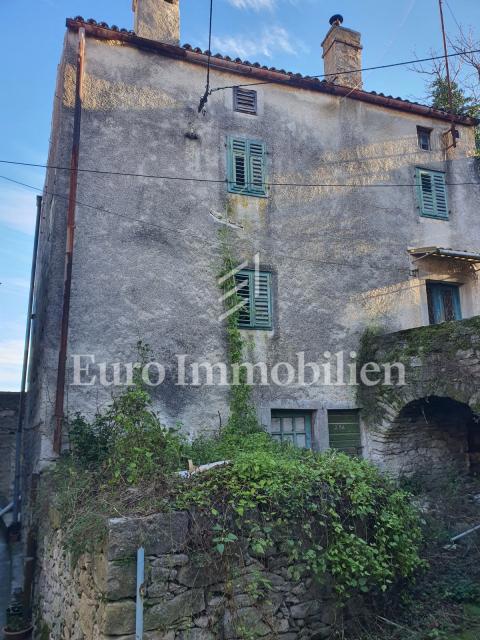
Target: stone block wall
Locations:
point(433, 420)
point(8, 427)
point(190, 594)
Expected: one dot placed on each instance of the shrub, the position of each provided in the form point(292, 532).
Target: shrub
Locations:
point(128, 442)
point(329, 513)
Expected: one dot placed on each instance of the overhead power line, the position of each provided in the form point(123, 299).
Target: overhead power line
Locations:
point(204, 98)
point(176, 230)
point(309, 185)
point(345, 73)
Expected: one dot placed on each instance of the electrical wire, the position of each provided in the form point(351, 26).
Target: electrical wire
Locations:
point(176, 230)
point(226, 181)
point(204, 99)
point(344, 73)
point(455, 19)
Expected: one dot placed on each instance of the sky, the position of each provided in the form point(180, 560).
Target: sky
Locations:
point(281, 33)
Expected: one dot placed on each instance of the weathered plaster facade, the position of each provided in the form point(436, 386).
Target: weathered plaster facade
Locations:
point(147, 250)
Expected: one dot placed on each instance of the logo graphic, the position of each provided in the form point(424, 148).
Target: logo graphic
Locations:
point(239, 286)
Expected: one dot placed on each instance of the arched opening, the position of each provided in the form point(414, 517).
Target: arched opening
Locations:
point(432, 434)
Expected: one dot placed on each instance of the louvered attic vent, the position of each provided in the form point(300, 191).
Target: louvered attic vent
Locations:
point(245, 100)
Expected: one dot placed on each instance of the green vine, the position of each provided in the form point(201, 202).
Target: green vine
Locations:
point(243, 417)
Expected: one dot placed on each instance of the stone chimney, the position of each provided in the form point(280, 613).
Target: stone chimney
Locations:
point(342, 51)
point(157, 20)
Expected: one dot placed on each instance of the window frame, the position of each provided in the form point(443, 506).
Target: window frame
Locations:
point(433, 287)
point(248, 189)
point(293, 413)
point(428, 132)
point(252, 323)
point(424, 212)
point(237, 103)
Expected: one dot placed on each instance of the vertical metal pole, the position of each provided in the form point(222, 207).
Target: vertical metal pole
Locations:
point(67, 288)
point(26, 350)
point(140, 593)
point(447, 68)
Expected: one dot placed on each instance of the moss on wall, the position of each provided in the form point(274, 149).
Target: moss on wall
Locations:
point(434, 359)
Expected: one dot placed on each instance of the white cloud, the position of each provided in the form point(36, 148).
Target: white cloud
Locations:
point(270, 41)
point(11, 355)
point(256, 5)
point(14, 285)
point(17, 207)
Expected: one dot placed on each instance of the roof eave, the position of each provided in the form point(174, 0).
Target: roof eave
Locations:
point(263, 74)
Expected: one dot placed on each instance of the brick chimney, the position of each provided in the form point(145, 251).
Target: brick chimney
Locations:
point(157, 20)
point(342, 51)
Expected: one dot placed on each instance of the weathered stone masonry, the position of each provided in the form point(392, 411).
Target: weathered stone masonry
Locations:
point(433, 420)
point(8, 427)
point(189, 595)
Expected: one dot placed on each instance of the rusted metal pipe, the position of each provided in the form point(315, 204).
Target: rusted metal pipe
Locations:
point(72, 197)
point(259, 73)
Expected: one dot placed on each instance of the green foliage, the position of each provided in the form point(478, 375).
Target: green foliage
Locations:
point(128, 441)
point(461, 104)
point(330, 514)
point(243, 417)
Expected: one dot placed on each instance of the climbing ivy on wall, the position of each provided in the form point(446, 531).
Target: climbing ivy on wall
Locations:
point(243, 417)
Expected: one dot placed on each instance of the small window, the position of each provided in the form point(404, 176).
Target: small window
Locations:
point(443, 302)
point(424, 141)
point(432, 194)
point(246, 167)
point(254, 288)
point(292, 426)
point(245, 100)
point(344, 432)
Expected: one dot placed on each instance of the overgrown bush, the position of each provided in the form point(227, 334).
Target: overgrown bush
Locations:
point(330, 514)
point(128, 442)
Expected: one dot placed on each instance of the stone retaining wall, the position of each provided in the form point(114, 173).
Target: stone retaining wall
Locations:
point(432, 421)
point(189, 594)
point(8, 427)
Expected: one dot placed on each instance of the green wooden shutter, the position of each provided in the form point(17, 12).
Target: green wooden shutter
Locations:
point(440, 191)
point(256, 293)
point(246, 167)
point(243, 286)
point(432, 193)
point(344, 431)
point(257, 168)
point(262, 300)
point(237, 165)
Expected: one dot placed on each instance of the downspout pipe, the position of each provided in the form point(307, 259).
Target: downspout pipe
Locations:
point(67, 287)
point(140, 593)
point(26, 351)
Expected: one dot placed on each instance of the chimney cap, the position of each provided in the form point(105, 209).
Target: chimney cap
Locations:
point(336, 20)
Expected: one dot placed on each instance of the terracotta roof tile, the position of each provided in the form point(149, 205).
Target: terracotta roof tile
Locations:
point(356, 94)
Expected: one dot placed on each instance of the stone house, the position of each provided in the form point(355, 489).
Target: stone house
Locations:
point(349, 208)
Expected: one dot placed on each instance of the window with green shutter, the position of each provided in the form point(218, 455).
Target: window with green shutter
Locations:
point(432, 194)
point(254, 288)
point(246, 167)
point(344, 432)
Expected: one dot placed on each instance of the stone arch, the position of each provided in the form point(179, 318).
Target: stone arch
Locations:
point(428, 434)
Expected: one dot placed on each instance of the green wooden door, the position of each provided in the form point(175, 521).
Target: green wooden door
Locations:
point(292, 426)
point(344, 432)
